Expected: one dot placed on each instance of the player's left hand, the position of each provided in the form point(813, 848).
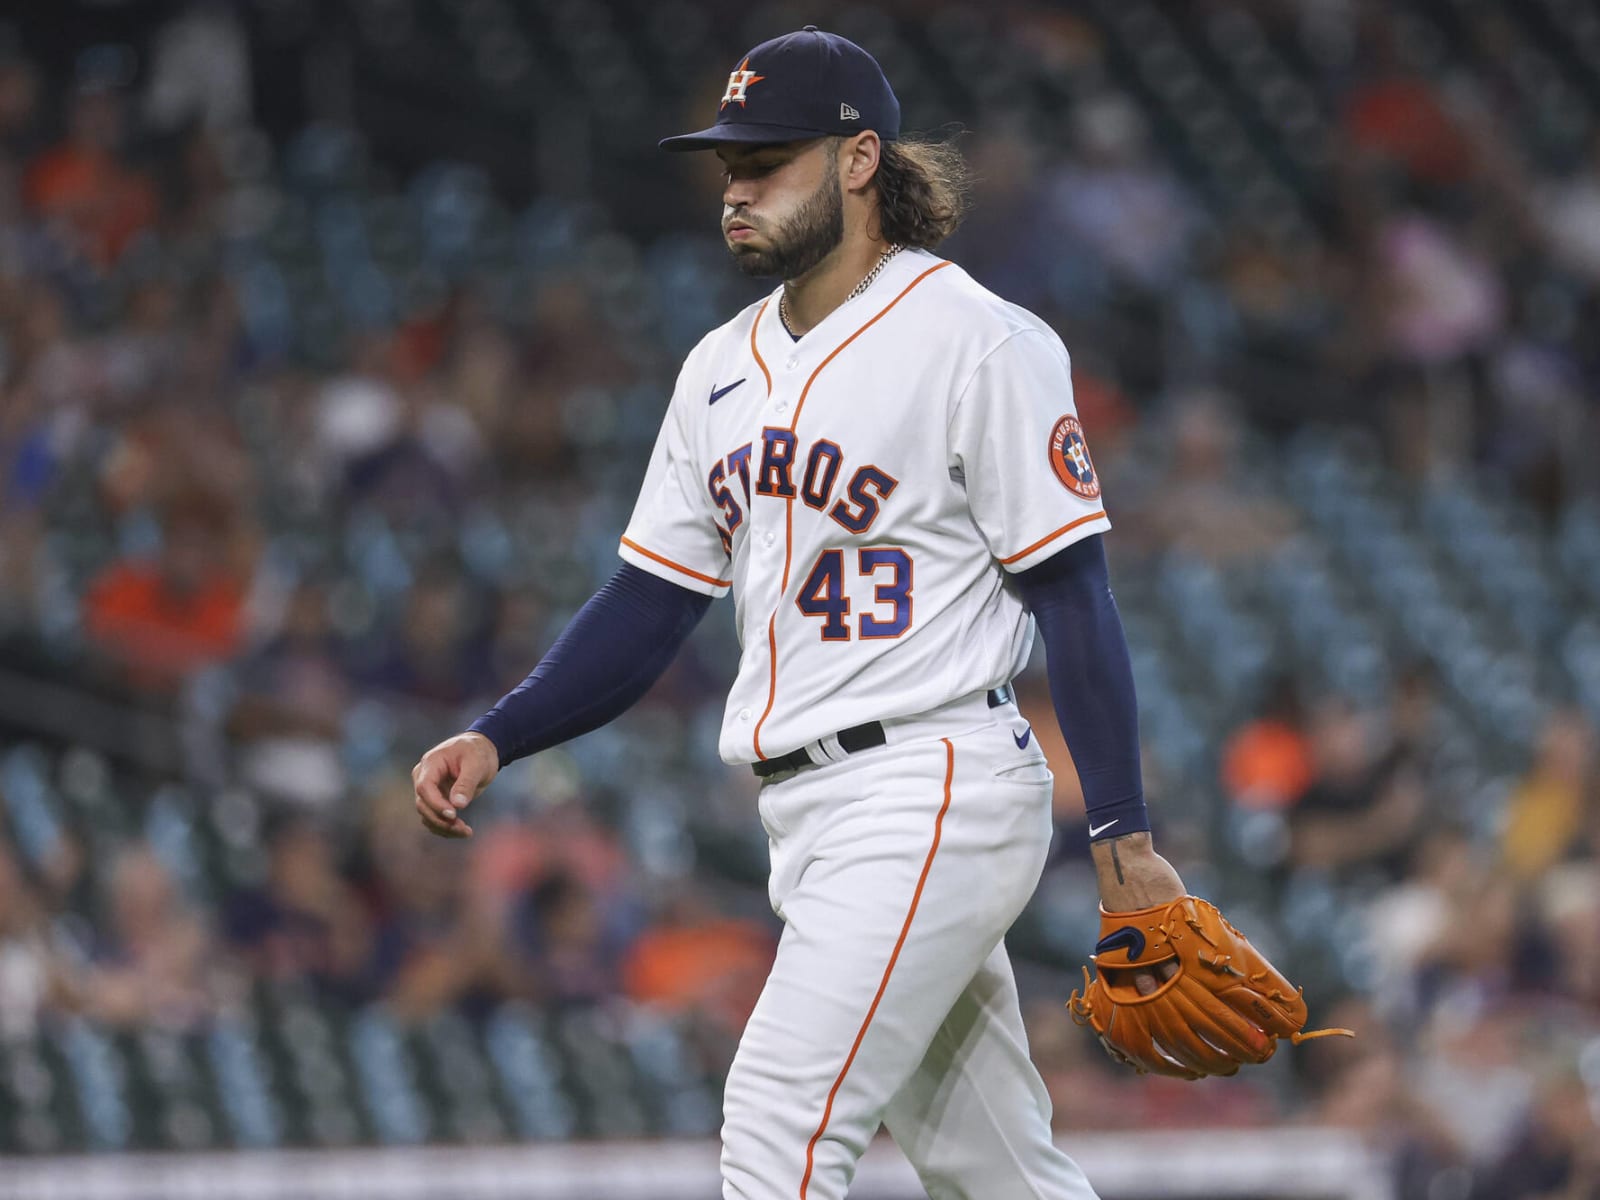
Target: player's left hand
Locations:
point(449, 777)
point(1133, 876)
point(1216, 1004)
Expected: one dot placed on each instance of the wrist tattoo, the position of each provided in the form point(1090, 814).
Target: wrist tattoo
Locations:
point(1116, 861)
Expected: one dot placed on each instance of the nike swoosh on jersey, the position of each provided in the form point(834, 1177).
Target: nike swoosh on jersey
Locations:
point(1022, 742)
point(719, 393)
point(1096, 830)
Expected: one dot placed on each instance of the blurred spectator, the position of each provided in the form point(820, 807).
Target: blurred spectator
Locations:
point(1267, 762)
point(1367, 805)
point(573, 950)
point(180, 453)
point(1552, 813)
point(702, 966)
point(1474, 1075)
point(33, 979)
point(1568, 208)
point(200, 69)
point(359, 412)
point(517, 637)
point(1399, 120)
point(439, 940)
point(1284, 298)
point(1104, 406)
point(438, 654)
point(162, 620)
point(156, 963)
point(1556, 1152)
point(288, 720)
point(421, 476)
point(1116, 200)
point(51, 372)
point(19, 107)
point(1470, 967)
point(1408, 920)
point(83, 186)
point(1538, 423)
point(998, 242)
point(565, 834)
point(1206, 504)
point(1437, 298)
point(1373, 1095)
point(481, 371)
point(307, 924)
point(142, 353)
point(568, 364)
point(1568, 915)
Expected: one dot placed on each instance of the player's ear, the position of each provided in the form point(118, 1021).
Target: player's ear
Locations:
point(858, 159)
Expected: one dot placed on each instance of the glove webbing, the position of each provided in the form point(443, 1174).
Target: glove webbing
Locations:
point(1221, 964)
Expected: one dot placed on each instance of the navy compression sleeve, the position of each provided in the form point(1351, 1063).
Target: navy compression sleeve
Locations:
point(617, 645)
point(1091, 682)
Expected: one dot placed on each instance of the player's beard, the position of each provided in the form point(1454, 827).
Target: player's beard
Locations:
point(801, 242)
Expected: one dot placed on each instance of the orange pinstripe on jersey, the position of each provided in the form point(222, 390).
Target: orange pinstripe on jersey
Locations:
point(1050, 537)
point(667, 562)
point(760, 362)
point(894, 957)
point(788, 504)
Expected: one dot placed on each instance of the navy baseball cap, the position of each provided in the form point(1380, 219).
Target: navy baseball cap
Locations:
point(801, 85)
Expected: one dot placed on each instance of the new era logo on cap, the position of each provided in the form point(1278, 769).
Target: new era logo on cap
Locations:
point(788, 90)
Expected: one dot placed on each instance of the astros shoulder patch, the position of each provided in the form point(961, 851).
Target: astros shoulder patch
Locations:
point(1069, 457)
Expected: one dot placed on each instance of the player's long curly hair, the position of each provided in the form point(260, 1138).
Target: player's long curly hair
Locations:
point(924, 190)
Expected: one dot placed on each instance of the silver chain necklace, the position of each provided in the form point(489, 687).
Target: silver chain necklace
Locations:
point(883, 260)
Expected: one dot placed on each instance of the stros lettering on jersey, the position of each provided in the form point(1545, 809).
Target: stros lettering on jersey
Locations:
point(863, 492)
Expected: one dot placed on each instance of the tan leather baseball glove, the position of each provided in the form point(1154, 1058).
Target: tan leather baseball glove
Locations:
point(1222, 1006)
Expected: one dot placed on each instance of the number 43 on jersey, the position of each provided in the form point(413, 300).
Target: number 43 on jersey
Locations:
point(824, 593)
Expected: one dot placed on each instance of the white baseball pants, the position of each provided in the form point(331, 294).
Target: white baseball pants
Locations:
point(897, 872)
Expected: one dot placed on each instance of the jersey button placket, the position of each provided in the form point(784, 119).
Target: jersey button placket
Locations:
point(779, 398)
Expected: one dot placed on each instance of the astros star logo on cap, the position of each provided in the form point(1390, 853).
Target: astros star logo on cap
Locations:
point(738, 80)
point(818, 84)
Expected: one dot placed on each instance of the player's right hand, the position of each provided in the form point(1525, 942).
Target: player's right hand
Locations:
point(449, 777)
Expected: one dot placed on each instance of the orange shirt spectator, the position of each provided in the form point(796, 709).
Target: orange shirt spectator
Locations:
point(165, 619)
point(715, 966)
point(84, 184)
point(1267, 764)
point(159, 633)
point(1402, 120)
point(104, 203)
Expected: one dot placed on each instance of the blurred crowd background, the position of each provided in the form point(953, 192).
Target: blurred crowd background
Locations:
point(333, 339)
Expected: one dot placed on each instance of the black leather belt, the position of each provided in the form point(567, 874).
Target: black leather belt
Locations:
point(857, 737)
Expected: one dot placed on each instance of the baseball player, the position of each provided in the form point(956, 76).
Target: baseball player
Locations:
point(881, 461)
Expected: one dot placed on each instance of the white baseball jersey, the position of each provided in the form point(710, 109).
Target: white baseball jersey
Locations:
point(864, 491)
